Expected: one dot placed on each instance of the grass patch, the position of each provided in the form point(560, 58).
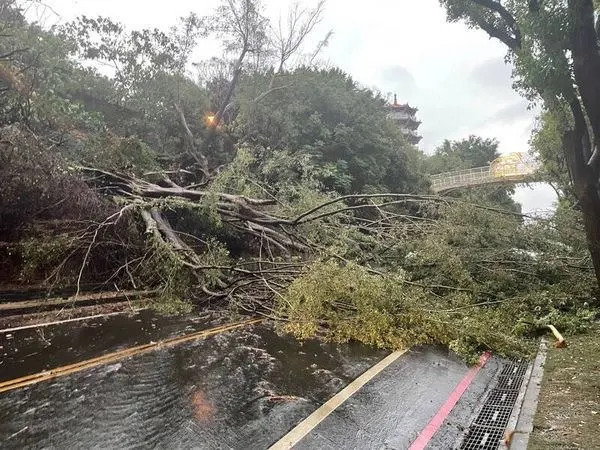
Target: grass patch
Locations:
point(568, 415)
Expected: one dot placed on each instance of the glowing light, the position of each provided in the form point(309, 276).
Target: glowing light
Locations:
point(211, 118)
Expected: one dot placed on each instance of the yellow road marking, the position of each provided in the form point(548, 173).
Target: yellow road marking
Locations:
point(308, 424)
point(116, 356)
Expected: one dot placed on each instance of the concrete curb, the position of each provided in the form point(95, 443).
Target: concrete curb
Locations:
point(520, 425)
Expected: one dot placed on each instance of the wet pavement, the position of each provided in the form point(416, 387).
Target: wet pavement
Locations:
point(33, 350)
point(241, 389)
point(391, 411)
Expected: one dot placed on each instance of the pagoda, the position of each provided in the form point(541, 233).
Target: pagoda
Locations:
point(405, 118)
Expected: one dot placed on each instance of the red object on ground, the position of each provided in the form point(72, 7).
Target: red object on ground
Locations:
point(437, 421)
point(203, 408)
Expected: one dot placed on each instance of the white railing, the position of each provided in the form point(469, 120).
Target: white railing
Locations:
point(461, 178)
point(513, 167)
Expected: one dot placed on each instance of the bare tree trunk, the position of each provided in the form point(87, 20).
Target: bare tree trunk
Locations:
point(190, 143)
point(582, 151)
point(237, 71)
point(585, 181)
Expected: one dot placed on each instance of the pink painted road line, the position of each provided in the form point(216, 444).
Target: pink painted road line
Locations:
point(437, 421)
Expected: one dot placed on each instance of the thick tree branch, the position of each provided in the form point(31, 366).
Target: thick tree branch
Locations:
point(13, 53)
point(513, 42)
point(190, 142)
point(496, 6)
point(237, 71)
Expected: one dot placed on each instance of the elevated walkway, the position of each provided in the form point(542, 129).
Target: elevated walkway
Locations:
point(510, 168)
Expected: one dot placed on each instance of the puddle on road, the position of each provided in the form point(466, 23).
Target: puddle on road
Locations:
point(241, 389)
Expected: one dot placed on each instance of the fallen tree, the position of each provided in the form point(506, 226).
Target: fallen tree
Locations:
point(388, 269)
point(277, 239)
point(126, 191)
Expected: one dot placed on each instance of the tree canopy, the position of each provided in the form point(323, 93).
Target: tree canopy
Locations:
point(324, 119)
point(554, 48)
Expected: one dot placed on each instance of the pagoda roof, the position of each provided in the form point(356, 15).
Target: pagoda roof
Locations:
point(403, 107)
point(414, 139)
point(409, 123)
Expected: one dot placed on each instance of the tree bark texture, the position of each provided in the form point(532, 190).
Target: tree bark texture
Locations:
point(580, 149)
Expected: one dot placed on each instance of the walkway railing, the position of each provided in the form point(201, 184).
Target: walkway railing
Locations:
point(511, 168)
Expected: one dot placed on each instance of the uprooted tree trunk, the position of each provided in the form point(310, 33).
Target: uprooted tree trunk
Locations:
point(278, 245)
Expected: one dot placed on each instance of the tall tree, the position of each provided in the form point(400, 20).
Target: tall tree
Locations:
point(243, 28)
point(464, 154)
point(554, 46)
point(328, 121)
point(287, 39)
point(247, 32)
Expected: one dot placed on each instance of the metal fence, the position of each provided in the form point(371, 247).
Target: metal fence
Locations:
point(461, 178)
point(513, 167)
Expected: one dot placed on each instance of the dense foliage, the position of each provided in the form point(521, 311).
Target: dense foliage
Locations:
point(265, 187)
point(325, 121)
point(554, 47)
point(474, 279)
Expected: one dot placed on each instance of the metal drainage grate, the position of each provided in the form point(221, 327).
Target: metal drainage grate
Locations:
point(517, 368)
point(494, 416)
point(502, 398)
point(483, 438)
point(509, 383)
point(487, 430)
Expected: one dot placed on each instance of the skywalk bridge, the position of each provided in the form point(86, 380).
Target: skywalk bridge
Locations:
point(510, 168)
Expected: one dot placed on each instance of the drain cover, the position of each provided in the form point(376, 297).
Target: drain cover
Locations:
point(509, 383)
point(514, 369)
point(502, 398)
point(494, 416)
point(487, 430)
point(483, 438)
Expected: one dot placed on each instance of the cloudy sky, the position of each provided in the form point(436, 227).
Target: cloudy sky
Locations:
point(455, 76)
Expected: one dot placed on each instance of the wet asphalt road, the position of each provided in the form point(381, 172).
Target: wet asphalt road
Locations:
point(242, 389)
point(390, 411)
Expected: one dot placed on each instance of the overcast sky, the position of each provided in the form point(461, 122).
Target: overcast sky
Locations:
point(455, 76)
